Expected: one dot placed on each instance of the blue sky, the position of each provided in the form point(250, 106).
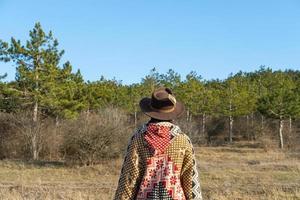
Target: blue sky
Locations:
point(125, 39)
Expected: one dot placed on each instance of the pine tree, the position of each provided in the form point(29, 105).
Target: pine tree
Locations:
point(171, 79)
point(280, 101)
point(235, 99)
point(38, 76)
point(190, 92)
point(150, 82)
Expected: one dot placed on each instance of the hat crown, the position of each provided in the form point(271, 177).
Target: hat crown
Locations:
point(162, 105)
point(162, 99)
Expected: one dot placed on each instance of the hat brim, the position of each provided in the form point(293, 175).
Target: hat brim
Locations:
point(147, 110)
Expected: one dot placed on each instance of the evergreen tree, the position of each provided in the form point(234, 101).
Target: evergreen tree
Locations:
point(191, 92)
point(38, 75)
point(134, 95)
point(171, 79)
point(235, 99)
point(150, 82)
point(280, 101)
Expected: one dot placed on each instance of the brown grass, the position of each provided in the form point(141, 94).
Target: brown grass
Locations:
point(225, 173)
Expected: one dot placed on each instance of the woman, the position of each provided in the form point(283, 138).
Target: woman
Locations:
point(160, 161)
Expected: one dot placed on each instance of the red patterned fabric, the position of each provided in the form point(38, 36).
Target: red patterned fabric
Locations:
point(158, 137)
point(163, 175)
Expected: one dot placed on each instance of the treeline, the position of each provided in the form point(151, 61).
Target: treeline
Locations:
point(44, 88)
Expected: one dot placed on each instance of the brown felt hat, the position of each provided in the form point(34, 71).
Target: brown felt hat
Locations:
point(162, 105)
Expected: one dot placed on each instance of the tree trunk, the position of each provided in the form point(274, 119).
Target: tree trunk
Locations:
point(36, 76)
point(252, 127)
point(247, 127)
point(280, 133)
point(88, 113)
point(34, 132)
point(56, 121)
point(252, 120)
point(262, 125)
point(290, 126)
point(187, 115)
point(135, 117)
point(230, 122)
point(230, 128)
point(35, 113)
point(34, 147)
point(203, 123)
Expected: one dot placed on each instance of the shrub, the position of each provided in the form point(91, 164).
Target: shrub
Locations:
point(95, 136)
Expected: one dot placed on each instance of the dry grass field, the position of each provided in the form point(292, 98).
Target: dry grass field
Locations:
point(225, 172)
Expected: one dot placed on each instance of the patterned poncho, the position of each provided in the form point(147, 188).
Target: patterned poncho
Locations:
point(160, 164)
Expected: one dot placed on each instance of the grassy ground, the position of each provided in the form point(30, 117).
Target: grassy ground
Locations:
point(225, 173)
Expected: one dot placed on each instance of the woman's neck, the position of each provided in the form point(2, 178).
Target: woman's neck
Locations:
point(153, 120)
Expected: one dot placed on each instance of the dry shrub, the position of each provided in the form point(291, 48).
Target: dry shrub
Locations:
point(105, 134)
point(292, 137)
point(85, 140)
point(191, 128)
point(20, 136)
point(33, 134)
point(14, 143)
point(51, 140)
point(95, 136)
point(10, 142)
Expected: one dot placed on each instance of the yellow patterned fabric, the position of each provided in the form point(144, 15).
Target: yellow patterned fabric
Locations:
point(148, 175)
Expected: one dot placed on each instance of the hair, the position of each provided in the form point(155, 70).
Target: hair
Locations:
point(153, 120)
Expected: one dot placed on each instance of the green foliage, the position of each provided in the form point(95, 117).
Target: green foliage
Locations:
point(39, 78)
point(282, 98)
point(238, 96)
point(150, 82)
point(191, 92)
point(211, 99)
point(171, 79)
point(60, 93)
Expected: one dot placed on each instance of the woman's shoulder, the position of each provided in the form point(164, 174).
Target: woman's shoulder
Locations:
point(176, 131)
point(138, 132)
point(183, 139)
